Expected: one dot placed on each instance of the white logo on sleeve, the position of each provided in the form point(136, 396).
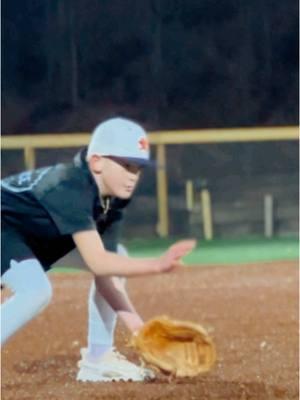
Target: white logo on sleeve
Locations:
point(25, 178)
point(24, 181)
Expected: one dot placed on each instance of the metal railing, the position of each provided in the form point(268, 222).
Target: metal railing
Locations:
point(30, 143)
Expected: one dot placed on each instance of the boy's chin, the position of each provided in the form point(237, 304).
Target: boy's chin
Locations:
point(124, 195)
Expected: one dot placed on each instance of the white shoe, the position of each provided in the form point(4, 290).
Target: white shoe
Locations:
point(112, 366)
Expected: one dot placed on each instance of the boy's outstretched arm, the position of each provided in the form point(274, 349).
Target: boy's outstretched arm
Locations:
point(117, 297)
point(104, 263)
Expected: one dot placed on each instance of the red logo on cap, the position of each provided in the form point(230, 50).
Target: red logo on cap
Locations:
point(143, 144)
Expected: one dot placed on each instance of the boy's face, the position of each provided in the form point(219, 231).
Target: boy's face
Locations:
point(117, 177)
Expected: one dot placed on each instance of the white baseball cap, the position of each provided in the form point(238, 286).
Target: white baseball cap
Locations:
point(121, 138)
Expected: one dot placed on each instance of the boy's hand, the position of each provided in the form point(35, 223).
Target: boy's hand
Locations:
point(171, 259)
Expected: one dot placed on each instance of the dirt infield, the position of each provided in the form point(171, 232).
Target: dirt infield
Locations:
point(251, 312)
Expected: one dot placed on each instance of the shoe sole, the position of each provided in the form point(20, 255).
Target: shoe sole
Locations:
point(84, 376)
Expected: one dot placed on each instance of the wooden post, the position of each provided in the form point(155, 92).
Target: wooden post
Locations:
point(268, 214)
point(29, 157)
point(162, 192)
point(206, 214)
point(189, 194)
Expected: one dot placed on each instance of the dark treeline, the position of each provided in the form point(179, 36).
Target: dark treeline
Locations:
point(168, 63)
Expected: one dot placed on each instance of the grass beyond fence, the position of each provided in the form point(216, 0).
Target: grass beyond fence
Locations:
point(221, 251)
point(225, 251)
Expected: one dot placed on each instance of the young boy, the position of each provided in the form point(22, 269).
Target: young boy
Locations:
point(50, 211)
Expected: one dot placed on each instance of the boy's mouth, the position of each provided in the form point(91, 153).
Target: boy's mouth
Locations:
point(129, 188)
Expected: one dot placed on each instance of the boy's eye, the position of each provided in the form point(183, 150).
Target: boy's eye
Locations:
point(128, 166)
point(133, 167)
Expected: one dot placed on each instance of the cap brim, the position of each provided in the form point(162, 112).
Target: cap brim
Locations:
point(139, 161)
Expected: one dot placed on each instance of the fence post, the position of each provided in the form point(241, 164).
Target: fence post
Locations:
point(206, 214)
point(189, 195)
point(269, 219)
point(29, 157)
point(162, 192)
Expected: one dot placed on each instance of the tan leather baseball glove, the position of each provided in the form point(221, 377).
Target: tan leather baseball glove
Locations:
point(180, 348)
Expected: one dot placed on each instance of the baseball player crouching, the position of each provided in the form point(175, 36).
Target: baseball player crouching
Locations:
point(48, 212)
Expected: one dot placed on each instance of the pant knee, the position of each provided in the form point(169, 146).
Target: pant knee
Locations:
point(29, 281)
point(42, 295)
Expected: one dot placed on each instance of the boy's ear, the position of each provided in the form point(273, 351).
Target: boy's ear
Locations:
point(96, 164)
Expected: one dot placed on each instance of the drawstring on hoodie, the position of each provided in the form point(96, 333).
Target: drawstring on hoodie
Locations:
point(105, 204)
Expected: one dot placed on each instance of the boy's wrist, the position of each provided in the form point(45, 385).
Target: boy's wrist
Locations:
point(132, 321)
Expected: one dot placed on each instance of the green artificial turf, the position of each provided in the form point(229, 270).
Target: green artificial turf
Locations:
point(225, 251)
point(220, 251)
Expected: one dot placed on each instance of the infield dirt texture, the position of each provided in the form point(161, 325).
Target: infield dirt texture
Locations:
point(251, 311)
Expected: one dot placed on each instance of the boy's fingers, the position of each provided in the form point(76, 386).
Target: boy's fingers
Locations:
point(182, 248)
point(172, 258)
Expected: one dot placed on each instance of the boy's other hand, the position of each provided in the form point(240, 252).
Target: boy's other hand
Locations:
point(171, 259)
point(132, 321)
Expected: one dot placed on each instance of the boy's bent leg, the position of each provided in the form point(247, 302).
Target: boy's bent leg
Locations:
point(102, 318)
point(32, 293)
point(101, 324)
point(100, 362)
